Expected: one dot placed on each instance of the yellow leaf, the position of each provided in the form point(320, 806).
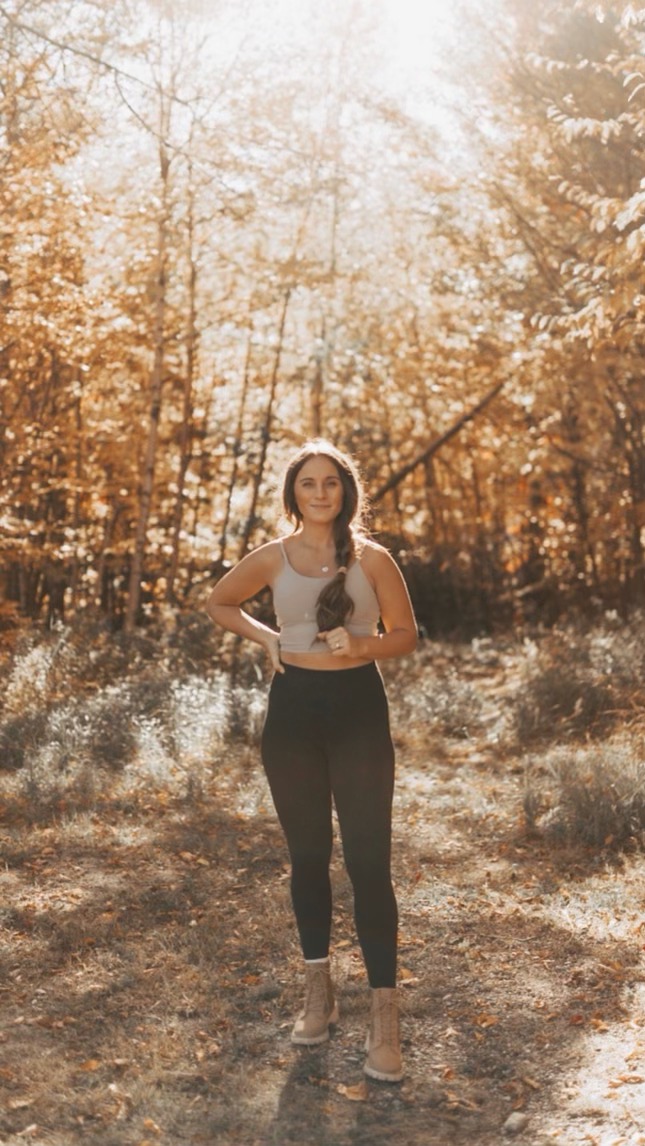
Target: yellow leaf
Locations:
point(530, 1082)
point(357, 1093)
point(90, 1065)
point(485, 1020)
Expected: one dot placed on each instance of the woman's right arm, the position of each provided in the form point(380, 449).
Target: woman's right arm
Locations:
point(245, 580)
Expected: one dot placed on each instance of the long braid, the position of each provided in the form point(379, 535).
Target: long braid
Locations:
point(334, 603)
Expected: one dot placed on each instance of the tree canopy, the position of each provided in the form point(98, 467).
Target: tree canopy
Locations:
point(225, 231)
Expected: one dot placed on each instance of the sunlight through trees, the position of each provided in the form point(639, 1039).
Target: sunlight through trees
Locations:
point(228, 227)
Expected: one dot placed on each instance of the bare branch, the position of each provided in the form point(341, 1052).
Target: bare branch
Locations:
point(435, 445)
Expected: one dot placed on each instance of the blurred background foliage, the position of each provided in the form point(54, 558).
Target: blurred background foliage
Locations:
point(228, 227)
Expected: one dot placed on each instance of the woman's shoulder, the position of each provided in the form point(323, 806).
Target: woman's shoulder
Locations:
point(375, 560)
point(268, 556)
point(371, 553)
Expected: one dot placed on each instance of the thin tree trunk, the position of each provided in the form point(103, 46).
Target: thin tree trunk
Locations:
point(318, 386)
point(156, 385)
point(237, 443)
point(186, 430)
point(266, 429)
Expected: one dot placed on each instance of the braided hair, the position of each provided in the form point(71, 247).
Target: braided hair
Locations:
point(334, 604)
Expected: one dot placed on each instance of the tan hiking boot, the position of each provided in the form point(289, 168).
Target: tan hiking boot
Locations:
point(383, 1044)
point(320, 1009)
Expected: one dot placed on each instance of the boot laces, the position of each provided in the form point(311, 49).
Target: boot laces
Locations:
point(316, 1000)
point(386, 1022)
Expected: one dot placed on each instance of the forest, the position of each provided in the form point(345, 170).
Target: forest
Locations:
point(208, 256)
point(416, 229)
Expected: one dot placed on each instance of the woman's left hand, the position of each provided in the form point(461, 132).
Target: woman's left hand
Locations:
point(339, 642)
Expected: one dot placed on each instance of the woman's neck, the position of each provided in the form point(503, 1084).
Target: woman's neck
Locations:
point(321, 540)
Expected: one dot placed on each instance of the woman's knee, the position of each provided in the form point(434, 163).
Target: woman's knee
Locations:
point(311, 863)
point(369, 873)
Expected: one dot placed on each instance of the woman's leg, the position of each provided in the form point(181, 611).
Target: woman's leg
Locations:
point(296, 767)
point(361, 758)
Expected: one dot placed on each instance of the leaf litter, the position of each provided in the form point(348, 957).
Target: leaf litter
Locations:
point(160, 925)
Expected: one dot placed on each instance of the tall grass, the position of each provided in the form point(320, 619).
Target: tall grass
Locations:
point(82, 708)
point(592, 795)
point(578, 684)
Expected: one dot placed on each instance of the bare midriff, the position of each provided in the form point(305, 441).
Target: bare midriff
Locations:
point(327, 662)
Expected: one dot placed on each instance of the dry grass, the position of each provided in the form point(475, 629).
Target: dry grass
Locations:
point(148, 962)
point(593, 795)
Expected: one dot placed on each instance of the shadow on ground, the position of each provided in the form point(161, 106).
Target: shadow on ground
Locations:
point(151, 976)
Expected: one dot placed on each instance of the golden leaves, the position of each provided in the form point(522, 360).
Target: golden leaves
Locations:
point(356, 1093)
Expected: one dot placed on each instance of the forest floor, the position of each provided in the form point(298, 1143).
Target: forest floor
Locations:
point(149, 972)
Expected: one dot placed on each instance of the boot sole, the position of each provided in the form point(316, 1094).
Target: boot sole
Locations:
point(316, 1040)
point(381, 1075)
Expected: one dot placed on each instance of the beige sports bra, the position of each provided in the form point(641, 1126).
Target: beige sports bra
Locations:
point(294, 602)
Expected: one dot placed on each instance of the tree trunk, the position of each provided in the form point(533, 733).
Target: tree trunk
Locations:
point(266, 429)
point(237, 443)
point(186, 430)
point(156, 385)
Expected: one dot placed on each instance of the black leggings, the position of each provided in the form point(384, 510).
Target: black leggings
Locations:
point(327, 736)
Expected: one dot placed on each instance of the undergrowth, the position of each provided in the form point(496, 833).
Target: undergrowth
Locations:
point(83, 709)
point(579, 684)
point(592, 795)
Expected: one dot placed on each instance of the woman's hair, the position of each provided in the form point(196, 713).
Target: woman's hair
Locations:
point(334, 605)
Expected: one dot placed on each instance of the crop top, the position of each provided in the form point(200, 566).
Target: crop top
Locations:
point(294, 602)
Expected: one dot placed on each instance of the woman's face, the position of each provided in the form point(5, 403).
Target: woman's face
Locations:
point(318, 491)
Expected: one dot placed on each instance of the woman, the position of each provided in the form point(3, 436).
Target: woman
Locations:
point(326, 735)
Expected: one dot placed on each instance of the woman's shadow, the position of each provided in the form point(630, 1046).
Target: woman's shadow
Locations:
point(304, 1110)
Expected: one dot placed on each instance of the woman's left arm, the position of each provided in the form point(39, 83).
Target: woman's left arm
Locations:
point(400, 636)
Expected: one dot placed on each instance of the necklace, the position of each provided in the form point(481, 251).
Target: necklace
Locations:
point(323, 568)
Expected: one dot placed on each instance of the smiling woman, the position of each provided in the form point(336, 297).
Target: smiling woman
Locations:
point(326, 738)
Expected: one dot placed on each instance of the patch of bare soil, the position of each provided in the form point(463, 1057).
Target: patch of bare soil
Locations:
point(149, 972)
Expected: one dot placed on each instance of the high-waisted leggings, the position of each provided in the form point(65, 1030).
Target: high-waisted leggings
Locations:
point(327, 738)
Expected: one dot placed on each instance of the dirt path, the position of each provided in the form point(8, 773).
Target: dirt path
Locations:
point(150, 971)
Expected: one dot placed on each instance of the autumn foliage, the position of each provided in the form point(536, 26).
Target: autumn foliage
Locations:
point(207, 256)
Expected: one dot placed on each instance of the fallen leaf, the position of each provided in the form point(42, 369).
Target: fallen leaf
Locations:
point(484, 1020)
point(357, 1093)
point(530, 1082)
point(627, 1079)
